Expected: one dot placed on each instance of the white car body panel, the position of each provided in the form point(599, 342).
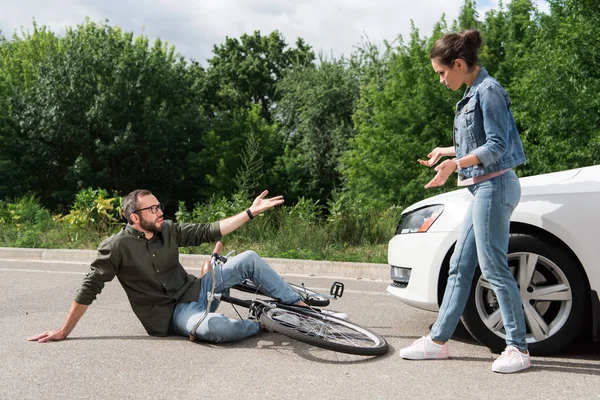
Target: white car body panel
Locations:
point(565, 204)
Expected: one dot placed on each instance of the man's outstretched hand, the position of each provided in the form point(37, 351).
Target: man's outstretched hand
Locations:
point(48, 336)
point(259, 205)
point(262, 204)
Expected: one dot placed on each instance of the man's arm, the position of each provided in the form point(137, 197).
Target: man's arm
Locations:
point(259, 205)
point(103, 269)
point(75, 313)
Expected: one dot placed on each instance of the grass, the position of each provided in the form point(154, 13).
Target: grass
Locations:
point(298, 232)
point(62, 237)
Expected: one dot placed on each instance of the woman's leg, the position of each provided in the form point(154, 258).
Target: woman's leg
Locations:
point(458, 287)
point(493, 207)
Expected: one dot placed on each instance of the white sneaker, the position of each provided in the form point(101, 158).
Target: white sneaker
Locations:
point(511, 360)
point(335, 314)
point(425, 349)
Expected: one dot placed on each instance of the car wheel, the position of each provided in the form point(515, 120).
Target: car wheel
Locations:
point(554, 292)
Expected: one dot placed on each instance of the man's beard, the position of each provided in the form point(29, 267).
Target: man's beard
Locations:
point(150, 226)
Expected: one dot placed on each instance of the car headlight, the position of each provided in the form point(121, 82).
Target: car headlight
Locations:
point(419, 220)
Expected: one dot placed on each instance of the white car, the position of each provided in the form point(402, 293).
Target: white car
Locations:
point(554, 252)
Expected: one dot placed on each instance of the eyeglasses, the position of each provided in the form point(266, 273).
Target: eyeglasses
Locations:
point(153, 209)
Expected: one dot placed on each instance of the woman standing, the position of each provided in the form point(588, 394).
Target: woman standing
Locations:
point(486, 148)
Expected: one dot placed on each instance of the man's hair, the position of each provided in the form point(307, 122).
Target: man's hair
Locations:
point(131, 203)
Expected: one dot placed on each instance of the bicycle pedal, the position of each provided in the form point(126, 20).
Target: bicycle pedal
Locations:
point(254, 311)
point(337, 289)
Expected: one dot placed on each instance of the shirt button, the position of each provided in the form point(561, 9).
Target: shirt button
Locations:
point(153, 255)
point(158, 270)
point(164, 284)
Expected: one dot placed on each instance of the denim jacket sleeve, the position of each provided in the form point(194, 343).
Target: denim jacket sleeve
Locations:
point(496, 123)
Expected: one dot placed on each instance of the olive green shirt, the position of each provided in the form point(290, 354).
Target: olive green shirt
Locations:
point(149, 271)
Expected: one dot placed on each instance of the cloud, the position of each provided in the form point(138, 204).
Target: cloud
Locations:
point(333, 27)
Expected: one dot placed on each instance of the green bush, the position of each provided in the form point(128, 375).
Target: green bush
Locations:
point(24, 222)
point(354, 223)
point(302, 231)
point(24, 211)
point(299, 231)
point(214, 209)
point(95, 207)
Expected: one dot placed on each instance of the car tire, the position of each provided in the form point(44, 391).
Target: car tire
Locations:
point(555, 298)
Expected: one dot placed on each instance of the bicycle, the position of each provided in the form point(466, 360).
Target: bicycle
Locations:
point(308, 296)
point(306, 324)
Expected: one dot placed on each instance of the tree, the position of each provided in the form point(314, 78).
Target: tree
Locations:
point(468, 17)
point(315, 120)
point(246, 71)
point(20, 61)
point(556, 100)
point(110, 111)
point(403, 121)
point(221, 156)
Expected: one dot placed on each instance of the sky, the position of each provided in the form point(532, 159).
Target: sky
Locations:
point(331, 27)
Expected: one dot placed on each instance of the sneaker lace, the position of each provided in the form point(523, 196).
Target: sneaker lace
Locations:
point(512, 352)
point(420, 342)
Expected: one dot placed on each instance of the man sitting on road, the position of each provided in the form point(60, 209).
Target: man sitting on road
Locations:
point(144, 256)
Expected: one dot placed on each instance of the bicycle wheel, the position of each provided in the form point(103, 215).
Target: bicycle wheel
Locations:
point(324, 331)
point(310, 297)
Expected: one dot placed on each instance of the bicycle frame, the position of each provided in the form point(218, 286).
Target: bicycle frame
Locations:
point(255, 306)
point(307, 324)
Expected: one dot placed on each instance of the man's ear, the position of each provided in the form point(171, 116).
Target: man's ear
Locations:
point(134, 217)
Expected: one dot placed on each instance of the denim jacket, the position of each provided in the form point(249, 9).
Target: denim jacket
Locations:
point(484, 126)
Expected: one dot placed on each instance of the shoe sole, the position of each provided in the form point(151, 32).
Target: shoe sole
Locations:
point(511, 371)
point(424, 358)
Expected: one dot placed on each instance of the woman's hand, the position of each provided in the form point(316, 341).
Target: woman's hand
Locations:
point(436, 154)
point(444, 170)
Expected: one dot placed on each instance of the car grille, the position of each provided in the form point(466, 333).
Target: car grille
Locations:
point(400, 285)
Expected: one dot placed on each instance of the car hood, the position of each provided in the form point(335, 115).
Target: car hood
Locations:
point(551, 178)
point(570, 181)
point(456, 195)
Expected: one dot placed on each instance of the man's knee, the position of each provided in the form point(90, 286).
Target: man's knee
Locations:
point(249, 259)
point(250, 255)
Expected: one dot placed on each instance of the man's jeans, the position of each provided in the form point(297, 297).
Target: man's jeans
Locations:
point(483, 241)
point(216, 327)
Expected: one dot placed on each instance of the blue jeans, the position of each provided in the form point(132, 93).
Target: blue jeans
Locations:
point(483, 241)
point(216, 327)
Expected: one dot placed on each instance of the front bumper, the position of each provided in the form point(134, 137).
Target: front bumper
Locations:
point(424, 254)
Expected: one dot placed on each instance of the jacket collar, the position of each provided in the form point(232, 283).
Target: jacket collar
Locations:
point(480, 77)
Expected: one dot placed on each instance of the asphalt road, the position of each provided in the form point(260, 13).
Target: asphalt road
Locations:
point(109, 355)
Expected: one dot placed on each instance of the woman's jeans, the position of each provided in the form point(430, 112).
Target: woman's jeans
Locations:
point(483, 241)
point(216, 327)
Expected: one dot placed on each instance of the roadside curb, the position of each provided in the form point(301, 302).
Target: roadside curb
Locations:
point(354, 270)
